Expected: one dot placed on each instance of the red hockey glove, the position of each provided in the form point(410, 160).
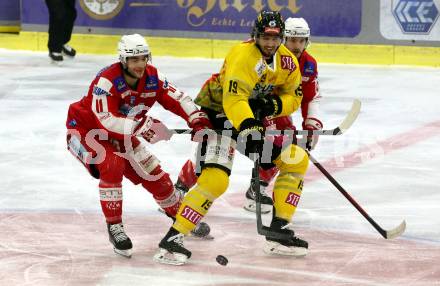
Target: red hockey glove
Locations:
point(152, 130)
point(197, 121)
point(312, 124)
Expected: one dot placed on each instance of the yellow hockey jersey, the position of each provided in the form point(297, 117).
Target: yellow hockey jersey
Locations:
point(245, 74)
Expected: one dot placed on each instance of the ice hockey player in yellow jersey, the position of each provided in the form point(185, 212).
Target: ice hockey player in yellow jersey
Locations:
point(259, 78)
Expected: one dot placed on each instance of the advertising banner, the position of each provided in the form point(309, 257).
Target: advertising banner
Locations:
point(410, 20)
point(10, 11)
point(330, 18)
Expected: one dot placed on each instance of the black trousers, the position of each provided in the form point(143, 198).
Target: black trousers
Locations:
point(62, 15)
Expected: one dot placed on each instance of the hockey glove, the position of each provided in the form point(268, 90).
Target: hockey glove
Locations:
point(269, 105)
point(311, 124)
point(152, 130)
point(251, 136)
point(198, 121)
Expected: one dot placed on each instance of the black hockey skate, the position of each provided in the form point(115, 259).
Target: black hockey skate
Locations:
point(121, 242)
point(293, 246)
point(202, 231)
point(181, 186)
point(56, 58)
point(68, 51)
point(171, 249)
point(266, 201)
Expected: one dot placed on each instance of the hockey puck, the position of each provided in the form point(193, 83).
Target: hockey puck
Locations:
point(221, 260)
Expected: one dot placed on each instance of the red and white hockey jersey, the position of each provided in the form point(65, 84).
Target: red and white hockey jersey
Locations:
point(111, 104)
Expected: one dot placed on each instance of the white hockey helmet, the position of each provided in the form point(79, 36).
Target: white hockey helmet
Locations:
point(296, 27)
point(131, 46)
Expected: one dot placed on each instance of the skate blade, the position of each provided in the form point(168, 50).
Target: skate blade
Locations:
point(250, 206)
point(165, 257)
point(57, 63)
point(125, 253)
point(275, 248)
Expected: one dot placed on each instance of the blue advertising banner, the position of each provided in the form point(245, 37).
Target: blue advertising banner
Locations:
point(330, 18)
point(10, 10)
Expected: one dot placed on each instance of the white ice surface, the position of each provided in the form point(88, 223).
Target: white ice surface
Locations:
point(38, 174)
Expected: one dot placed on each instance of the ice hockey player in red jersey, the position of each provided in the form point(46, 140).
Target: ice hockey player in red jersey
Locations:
point(297, 38)
point(104, 128)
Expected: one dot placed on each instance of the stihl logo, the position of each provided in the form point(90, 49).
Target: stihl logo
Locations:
point(292, 199)
point(191, 215)
point(287, 63)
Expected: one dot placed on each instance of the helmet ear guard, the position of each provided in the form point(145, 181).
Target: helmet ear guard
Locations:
point(132, 46)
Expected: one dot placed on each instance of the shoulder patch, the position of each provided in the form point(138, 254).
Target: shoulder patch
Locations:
point(287, 63)
point(120, 84)
point(309, 68)
point(151, 82)
point(260, 67)
point(102, 87)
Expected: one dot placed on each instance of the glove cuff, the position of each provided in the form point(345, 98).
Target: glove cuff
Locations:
point(312, 123)
point(143, 126)
point(277, 105)
point(197, 115)
point(251, 124)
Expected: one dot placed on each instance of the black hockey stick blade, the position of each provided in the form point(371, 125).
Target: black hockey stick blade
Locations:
point(387, 234)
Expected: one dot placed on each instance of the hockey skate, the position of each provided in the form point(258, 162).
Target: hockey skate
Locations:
point(171, 249)
point(266, 200)
point(293, 246)
point(179, 185)
point(57, 58)
point(68, 51)
point(201, 231)
point(121, 242)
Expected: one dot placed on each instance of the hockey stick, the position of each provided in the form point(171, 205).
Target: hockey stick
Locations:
point(339, 130)
point(262, 229)
point(346, 123)
point(387, 234)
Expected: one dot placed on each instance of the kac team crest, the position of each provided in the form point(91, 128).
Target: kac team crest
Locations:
point(102, 9)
